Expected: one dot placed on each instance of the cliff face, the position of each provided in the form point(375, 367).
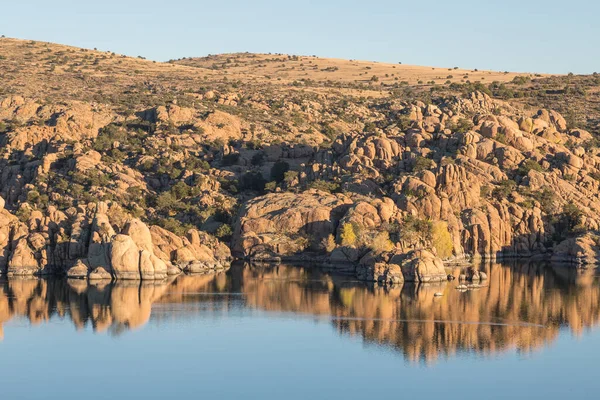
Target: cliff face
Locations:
point(157, 167)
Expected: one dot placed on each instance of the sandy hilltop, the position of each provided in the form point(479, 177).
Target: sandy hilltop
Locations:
point(114, 167)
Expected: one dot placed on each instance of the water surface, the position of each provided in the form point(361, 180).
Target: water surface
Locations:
point(297, 333)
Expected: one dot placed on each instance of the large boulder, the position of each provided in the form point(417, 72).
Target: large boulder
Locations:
point(23, 261)
point(285, 224)
point(582, 250)
point(139, 232)
point(125, 258)
point(421, 266)
point(396, 267)
point(380, 268)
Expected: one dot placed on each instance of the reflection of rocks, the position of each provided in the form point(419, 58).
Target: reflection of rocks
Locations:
point(514, 309)
point(120, 306)
point(520, 307)
point(396, 267)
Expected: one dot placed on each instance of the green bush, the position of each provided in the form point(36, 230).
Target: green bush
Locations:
point(324, 186)
point(422, 163)
point(529, 165)
point(463, 125)
point(224, 232)
point(504, 189)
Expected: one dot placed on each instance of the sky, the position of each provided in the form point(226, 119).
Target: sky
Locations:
point(551, 36)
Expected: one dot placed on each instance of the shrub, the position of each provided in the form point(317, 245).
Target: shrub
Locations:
point(422, 163)
point(441, 239)
point(414, 229)
point(270, 186)
point(166, 201)
point(328, 244)
point(290, 177)
point(180, 190)
point(463, 125)
point(547, 199)
point(504, 189)
point(484, 191)
point(381, 242)
point(224, 232)
point(348, 235)
point(529, 165)
point(173, 225)
point(324, 186)
point(571, 215)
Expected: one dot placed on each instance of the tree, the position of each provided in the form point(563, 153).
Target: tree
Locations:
point(441, 239)
point(348, 236)
point(328, 244)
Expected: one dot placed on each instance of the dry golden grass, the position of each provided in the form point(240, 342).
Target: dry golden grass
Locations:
point(57, 72)
point(295, 68)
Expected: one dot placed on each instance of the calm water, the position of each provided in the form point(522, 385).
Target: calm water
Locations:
point(295, 333)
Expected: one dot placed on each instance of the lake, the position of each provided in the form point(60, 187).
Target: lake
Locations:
point(297, 333)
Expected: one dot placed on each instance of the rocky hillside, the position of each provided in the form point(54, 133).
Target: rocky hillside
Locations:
point(126, 168)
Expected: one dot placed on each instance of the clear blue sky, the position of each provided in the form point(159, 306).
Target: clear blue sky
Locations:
point(553, 36)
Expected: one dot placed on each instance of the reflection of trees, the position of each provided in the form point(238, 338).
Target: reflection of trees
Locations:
point(523, 307)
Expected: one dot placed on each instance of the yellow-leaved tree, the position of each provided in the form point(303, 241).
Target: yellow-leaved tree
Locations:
point(441, 239)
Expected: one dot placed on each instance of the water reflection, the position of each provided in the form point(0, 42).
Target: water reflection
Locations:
point(521, 306)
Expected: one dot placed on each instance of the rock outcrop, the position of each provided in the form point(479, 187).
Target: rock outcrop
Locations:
point(583, 251)
point(85, 243)
point(287, 224)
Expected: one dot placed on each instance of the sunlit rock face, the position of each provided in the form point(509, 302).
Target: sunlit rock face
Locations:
point(518, 307)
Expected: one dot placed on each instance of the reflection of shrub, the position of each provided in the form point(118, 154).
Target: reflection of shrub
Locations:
point(441, 239)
